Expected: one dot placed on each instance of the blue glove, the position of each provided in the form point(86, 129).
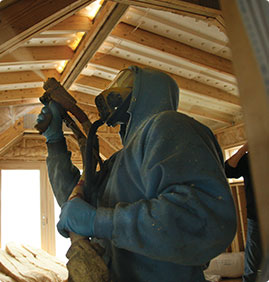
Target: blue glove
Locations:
point(77, 216)
point(54, 132)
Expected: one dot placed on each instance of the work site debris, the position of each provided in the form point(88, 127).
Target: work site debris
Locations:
point(25, 264)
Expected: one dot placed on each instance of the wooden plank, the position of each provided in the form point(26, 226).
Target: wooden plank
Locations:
point(106, 148)
point(254, 98)
point(47, 214)
point(175, 6)
point(0, 207)
point(22, 20)
point(35, 54)
point(83, 98)
point(107, 18)
point(242, 204)
point(205, 113)
point(201, 58)
point(183, 83)
point(11, 135)
point(181, 7)
point(27, 76)
point(183, 107)
point(93, 81)
point(20, 94)
point(75, 23)
point(237, 244)
point(20, 102)
point(6, 3)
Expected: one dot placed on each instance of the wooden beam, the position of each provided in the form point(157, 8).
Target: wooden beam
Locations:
point(83, 98)
point(237, 244)
point(183, 83)
point(34, 54)
point(206, 113)
point(75, 23)
point(11, 135)
point(175, 6)
point(93, 81)
point(106, 148)
point(185, 8)
point(22, 20)
point(224, 118)
point(20, 94)
point(205, 3)
point(6, 3)
point(107, 18)
point(27, 76)
point(21, 102)
point(248, 46)
point(197, 57)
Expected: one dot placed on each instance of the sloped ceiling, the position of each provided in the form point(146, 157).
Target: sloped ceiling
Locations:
point(43, 38)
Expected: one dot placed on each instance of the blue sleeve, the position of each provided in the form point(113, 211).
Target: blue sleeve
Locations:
point(189, 215)
point(63, 175)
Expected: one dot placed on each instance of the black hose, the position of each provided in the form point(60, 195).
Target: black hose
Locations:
point(90, 168)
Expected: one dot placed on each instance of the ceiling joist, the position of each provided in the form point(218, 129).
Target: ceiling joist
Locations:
point(36, 54)
point(75, 23)
point(183, 83)
point(11, 135)
point(24, 19)
point(27, 76)
point(178, 49)
point(204, 11)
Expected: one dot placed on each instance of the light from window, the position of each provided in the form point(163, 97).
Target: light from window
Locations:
point(62, 244)
point(228, 153)
point(20, 207)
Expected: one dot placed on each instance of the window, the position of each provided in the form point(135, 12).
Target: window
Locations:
point(20, 207)
point(228, 153)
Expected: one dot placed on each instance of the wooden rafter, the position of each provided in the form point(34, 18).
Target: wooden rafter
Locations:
point(27, 76)
point(20, 102)
point(227, 119)
point(11, 135)
point(83, 98)
point(183, 83)
point(35, 54)
point(17, 95)
point(248, 43)
point(105, 22)
point(197, 57)
point(75, 23)
point(206, 113)
point(175, 6)
point(93, 81)
point(106, 148)
point(181, 7)
point(22, 20)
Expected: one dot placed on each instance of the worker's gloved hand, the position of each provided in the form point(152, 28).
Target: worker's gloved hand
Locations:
point(54, 132)
point(77, 216)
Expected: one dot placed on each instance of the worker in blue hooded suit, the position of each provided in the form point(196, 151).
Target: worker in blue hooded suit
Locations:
point(163, 206)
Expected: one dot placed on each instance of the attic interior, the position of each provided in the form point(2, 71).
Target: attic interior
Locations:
point(84, 44)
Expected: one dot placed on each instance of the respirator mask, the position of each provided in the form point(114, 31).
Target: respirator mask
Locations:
point(113, 103)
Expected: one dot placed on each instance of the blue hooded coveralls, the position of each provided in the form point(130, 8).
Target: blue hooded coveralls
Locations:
point(164, 205)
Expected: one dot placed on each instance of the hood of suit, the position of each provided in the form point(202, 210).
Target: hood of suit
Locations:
point(153, 92)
